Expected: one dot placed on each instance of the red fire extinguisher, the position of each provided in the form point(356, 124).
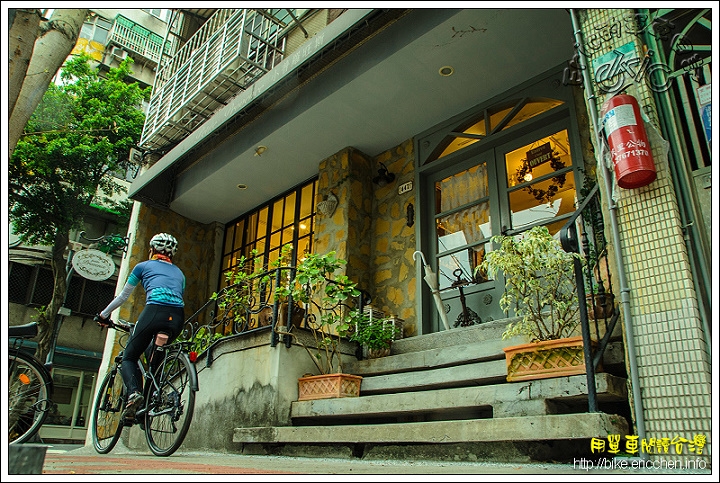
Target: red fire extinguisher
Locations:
point(629, 145)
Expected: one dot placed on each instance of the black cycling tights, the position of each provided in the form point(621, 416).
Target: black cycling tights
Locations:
point(153, 319)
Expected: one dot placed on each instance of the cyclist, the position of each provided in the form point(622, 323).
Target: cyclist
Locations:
point(164, 285)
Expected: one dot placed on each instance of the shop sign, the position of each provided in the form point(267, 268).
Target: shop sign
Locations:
point(93, 264)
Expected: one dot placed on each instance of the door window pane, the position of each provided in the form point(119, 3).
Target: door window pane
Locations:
point(541, 180)
point(463, 220)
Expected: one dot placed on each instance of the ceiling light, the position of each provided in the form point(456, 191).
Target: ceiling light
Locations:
point(242, 186)
point(259, 150)
point(446, 71)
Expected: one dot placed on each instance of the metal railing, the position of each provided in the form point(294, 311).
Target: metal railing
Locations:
point(137, 39)
point(228, 54)
point(254, 308)
point(584, 233)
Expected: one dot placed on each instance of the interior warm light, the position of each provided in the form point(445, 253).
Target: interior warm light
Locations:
point(303, 226)
point(528, 177)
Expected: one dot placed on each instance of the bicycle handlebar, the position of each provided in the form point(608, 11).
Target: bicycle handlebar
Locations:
point(120, 325)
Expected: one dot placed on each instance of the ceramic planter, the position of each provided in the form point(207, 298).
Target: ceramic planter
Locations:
point(327, 386)
point(540, 360)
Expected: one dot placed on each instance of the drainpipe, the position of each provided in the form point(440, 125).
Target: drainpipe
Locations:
point(624, 290)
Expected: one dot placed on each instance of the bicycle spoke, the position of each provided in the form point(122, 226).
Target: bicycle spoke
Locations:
point(171, 407)
point(28, 397)
point(106, 419)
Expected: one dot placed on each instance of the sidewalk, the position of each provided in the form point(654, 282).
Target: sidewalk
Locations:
point(80, 460)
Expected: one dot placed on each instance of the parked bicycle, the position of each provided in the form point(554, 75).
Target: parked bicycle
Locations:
point(169, 385)
point(30, 387)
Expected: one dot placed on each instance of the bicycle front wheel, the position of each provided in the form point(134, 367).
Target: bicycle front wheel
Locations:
point(29, 397)
point(106, 419)
point(171, 407)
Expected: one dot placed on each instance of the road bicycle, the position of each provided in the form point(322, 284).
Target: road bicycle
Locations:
point(30, 387)
point(169, 386)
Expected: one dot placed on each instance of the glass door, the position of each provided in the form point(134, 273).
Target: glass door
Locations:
point(465, 218)
point(503, 190)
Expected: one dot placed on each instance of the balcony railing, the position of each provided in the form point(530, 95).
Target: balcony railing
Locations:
point(137, 39)
point(228, 54)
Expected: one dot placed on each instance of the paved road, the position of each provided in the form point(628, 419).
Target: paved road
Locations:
point(79, 460)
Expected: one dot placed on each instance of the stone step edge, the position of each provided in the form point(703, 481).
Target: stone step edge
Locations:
point(528, 428)
point(428, 359)
point(477, 373)
point(508, 395)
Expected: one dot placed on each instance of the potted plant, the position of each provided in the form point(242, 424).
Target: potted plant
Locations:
point(376, 336)
point(540, 287)
point(325, 296)
point(600, 302)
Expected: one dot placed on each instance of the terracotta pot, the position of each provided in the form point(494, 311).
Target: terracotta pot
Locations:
point(327, 386)
point(544, 359)
point(600, 306)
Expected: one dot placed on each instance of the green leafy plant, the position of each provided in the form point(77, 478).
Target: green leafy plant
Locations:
point(67, 160)
point(539, 284)
point(326, 297)
point(376, 334)
point(234, 299)
point(203, 339)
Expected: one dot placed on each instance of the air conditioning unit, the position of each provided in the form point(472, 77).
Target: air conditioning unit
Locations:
point(136, 156)
point(118, 52)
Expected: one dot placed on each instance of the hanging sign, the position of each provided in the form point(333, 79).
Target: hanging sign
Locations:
point(541, 154)
point(93, 264)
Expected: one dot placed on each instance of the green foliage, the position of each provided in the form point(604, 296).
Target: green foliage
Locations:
point(377, 334)
point(80, 134)
point(203, 339)
point(539, 284)
point(318, 287)
point(234, 300)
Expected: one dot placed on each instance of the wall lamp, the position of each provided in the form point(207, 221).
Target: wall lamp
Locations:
point(384, 177)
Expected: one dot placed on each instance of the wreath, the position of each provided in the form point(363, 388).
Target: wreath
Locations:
point(543, 195)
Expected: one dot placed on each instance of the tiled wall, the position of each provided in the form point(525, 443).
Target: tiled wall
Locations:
point(673, 363)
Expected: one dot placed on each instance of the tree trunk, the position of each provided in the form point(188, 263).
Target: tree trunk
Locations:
point(47, 322)
point(24, 29)
point(57, 39)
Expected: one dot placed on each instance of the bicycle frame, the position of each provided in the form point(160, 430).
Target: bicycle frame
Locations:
point(149, 377)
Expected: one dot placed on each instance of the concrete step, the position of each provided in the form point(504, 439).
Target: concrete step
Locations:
point(498, 401)
point(581, 426)
point(473, 374)
point(429, 358)
point(488, 331)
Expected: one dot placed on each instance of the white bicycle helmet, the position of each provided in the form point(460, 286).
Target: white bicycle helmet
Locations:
point(164, 243)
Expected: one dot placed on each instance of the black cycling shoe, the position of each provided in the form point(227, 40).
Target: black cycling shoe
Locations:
point(135, 402)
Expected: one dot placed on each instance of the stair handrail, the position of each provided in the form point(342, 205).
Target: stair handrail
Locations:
point(590, 216)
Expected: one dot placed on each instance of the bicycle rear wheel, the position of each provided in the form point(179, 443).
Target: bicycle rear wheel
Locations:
point(29, 397)
point(106, 419)
point(170, 409)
